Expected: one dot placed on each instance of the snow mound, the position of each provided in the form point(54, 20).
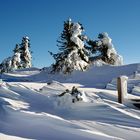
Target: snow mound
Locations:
point(29, 114)
point(68, 98)
point(53, 87)
point(61, 96)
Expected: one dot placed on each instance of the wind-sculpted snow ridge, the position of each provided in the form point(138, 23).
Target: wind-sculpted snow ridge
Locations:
point(97, 77)
point(33, 113)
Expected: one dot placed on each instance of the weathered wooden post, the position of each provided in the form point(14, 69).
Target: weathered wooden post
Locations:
point(119, 90)
point(122, 88)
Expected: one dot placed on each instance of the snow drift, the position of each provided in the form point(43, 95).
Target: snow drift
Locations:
point(94, 77)
point(31, 108)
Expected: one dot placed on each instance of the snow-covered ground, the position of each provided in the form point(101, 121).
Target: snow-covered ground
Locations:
point(30, 107)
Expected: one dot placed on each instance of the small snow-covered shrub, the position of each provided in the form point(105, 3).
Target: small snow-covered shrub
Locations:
point(73, 95)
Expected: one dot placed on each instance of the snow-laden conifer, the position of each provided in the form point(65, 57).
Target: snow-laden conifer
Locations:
point(21, 58)
point(72, 54)
point(26, 58)
point(104, 51)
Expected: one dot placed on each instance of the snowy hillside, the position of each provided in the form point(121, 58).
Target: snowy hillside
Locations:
point(31, 106)
point(95, 76)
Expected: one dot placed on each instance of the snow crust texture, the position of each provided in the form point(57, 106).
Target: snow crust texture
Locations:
point(32, 108)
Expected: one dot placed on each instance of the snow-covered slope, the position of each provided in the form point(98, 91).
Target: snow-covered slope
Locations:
point(29, 114)
point(32, 109)
point(94, 77)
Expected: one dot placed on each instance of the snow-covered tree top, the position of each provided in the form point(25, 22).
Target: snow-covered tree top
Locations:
point(102, 35)
point(70, 20)
point(26, 39)
point(76, 32)
point(106, 40)
point(77, 26)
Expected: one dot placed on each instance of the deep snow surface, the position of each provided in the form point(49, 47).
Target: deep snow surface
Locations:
point(31, 109)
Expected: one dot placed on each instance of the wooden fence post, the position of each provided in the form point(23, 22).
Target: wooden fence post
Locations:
point(122, 88)
point(119, 90)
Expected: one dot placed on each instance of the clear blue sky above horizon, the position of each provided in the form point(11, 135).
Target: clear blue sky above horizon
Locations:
point(42, 21)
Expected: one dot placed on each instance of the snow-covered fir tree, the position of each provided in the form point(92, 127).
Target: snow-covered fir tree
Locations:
point(11, 63)
point(21, 59)
point(72, 53)
point(104, 51)
point(16, 61)
point(26, 58)
point(6, 64)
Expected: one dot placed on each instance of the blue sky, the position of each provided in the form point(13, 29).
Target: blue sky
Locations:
point(42, 21)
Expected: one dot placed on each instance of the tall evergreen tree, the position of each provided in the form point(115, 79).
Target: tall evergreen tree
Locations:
point(72, 55)
point(64, 41)
point(26, 57)
point(21, 59)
